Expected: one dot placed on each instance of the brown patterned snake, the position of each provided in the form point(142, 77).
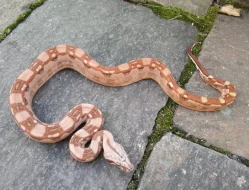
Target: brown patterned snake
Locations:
point(65, 56)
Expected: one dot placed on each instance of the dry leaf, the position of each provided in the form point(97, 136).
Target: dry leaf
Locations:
point(230, 10)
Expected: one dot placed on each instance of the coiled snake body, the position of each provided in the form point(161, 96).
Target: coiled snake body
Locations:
point(65, 56)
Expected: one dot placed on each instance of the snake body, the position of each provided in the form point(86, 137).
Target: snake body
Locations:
point(66, 56)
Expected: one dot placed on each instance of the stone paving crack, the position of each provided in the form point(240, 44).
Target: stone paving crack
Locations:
point(20, 19)
point(237, 5)
point(164, 120)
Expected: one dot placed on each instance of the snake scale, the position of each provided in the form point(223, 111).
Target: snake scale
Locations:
point(61, 57)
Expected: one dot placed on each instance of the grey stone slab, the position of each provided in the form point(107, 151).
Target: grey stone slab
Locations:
point(113, 32)
point(198, 7)
point(225, 55)
point(10, 10)
point(243, 2)
point(177, 164)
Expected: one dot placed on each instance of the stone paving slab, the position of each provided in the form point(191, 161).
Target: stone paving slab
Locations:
point(10, 10)
point(243, 2)
point(113, 32)
point(177, 164)
point(225, 55)
point(198, 7)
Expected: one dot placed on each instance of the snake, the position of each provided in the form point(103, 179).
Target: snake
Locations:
point(86, 143)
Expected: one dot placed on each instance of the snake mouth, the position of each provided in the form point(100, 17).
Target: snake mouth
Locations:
point(127, 169)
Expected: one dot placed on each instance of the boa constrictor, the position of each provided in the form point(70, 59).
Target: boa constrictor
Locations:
point(65, 56)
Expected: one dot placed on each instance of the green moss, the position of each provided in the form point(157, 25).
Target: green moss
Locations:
point(243, 161)
point(240, 6)
point(172, 12)
point(220, 150)
point(203, 23)
point(229, 1)
point(20, 19)
point(237, 5)
point(36, 4)
point(164, 124)
point(189, 68)
point(164, 120)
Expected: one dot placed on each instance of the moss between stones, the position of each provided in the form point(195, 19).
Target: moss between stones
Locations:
point(203, 23)
point(21, 18)
point(237, 5)
point(164, 120)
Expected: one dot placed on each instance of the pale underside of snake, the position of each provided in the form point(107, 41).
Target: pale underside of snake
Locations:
point(65, 56)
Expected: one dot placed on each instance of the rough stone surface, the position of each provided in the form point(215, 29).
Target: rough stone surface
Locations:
point(10, 10)
point(113, 32)
point(243, 2)
point(225, 55)
point(177, 164)
point(198, 7)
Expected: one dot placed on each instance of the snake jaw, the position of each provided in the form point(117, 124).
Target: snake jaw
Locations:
point(116, 155)
point(124, 166)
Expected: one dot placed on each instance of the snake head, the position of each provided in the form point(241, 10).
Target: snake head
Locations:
point(115, 154)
